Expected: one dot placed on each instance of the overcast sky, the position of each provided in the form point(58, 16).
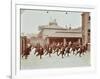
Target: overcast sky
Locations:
point(31, 19)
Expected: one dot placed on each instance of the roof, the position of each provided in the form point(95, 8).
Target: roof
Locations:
point(70, 30)
point(51, 25)
point(54, 25)
point(65, 35)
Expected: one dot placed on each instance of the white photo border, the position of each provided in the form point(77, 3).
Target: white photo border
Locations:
point(39, 73)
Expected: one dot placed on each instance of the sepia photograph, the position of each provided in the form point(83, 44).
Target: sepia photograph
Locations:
point(54, 39)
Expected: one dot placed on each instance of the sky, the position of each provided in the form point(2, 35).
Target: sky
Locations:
point(31, 19)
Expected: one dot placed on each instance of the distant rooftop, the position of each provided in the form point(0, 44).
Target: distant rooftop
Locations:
point(54, 25)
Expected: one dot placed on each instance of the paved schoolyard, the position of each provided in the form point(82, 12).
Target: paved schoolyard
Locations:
point(34, 62)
